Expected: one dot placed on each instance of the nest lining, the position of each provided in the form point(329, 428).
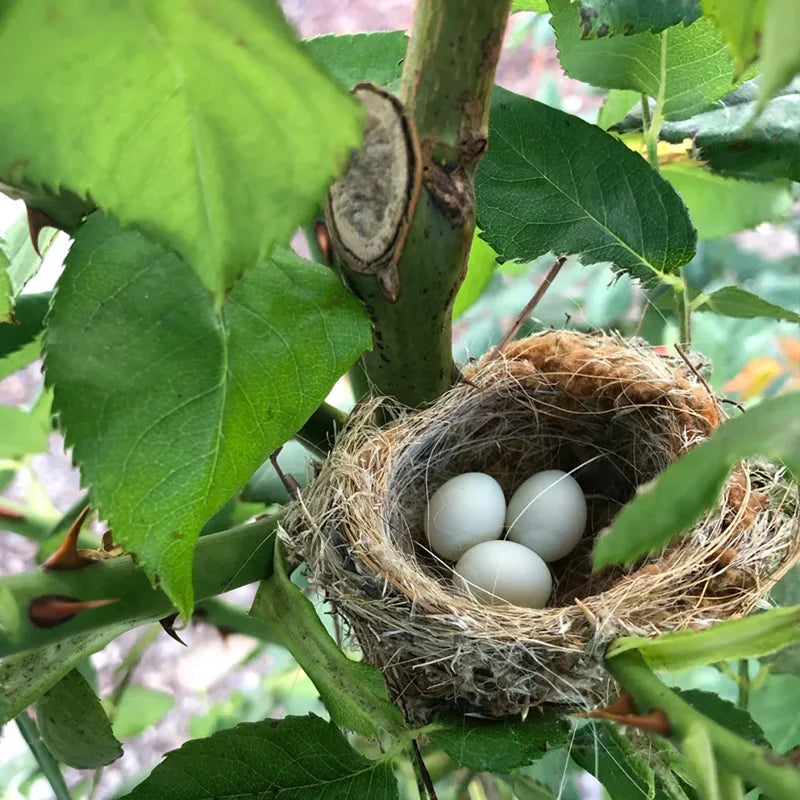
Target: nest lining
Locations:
point(612, 411)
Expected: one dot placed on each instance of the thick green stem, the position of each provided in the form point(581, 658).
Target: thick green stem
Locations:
point(772, 773)
point(743, 681)
point(448, 74)
point(320, 430)
point(223, 561)
point(44, 758)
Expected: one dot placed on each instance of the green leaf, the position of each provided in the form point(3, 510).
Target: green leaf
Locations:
point(696, 68)
point(774, 704)
point(21, 432)
point(599, 18)
point(740, 22)
point(605, 753)
point(749, 637)
point(538, 6)
point(780, 55)
point(138, 709)
point(617, 104)
point(353, 692)
point(551, 182)
point(204, 125)
point(23, 262)
point(480, 268)
point(74, 726)
point(719, 206)
point(724, 713)
point(786, 592)
point(266, 487)
point(698, 755)
point(673, 501)
point(721, 137)
point(526, 788)
point(171, 406)
point(356, 58)
point(297, 758)
point(24, 677)
point(28, 323)
point(731, 301)
point(500, 745)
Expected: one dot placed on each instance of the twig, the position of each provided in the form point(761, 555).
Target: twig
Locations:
point(526, 312)
point(44, 758)
point(289, 481)
point(423, 771)
point(696, 372)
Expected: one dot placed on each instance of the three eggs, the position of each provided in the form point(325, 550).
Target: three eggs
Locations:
point(545, 520)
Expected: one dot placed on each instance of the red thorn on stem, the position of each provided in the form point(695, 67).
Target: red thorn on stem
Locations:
point(67, 556)
point(323, 241)
point(167, 624)
point(50, 610)
point(38, 219)
point(623, 712)
point(11, 516)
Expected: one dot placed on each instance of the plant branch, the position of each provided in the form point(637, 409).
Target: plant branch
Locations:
point(44, 758)
point(772, 773)
point(412, 357)
point(223, 561)
point(18, 518)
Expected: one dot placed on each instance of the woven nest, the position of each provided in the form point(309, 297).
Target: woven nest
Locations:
point(617, 414)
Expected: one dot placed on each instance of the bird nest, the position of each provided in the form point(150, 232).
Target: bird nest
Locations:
point(617, 414)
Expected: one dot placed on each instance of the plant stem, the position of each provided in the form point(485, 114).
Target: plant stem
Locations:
point(320, 429)
point(44, 758)
point(772, 773)
point(743, 681)
point(652, 151)
point(685, 307)
point(223, 561)
point(412, 357)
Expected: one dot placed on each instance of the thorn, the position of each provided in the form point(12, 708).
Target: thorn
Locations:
point(167, 625)
point(290, 483)
point(67, 556)
point(323, 241)
point(11, 516)
point(38, 219)
point(623, 712)
point(50, 610)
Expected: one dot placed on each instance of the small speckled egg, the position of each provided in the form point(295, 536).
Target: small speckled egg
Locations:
point(504, 572)
point(547, 514)
point(466, 510)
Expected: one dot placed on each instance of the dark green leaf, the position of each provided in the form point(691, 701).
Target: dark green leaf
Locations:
point(351, 59)
point(672, 502)
point(266, 487)
point(749, 637)
point(551, 182)
point(724, 713)
point(171, 406)
point(526, 788)
point(480, 268)
point(24, 677)
point(720, 206)
point(786, 591)
point(740, 22)
point(605, 753)
point(74, 726)
point(138, 709)
point(297, 758)
point(731, 301)
point(722, 137)
point(500, 745)
point(599, 18)
point(780, 55)
point(696, 68)
point(28, 323)
point(353, 692)
point(205, 126)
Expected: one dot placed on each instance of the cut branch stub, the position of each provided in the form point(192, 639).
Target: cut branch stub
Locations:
point(370, 208)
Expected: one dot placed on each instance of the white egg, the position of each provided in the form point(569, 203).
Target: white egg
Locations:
point(548, 514)
point(504, 572)
point(468, 509)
